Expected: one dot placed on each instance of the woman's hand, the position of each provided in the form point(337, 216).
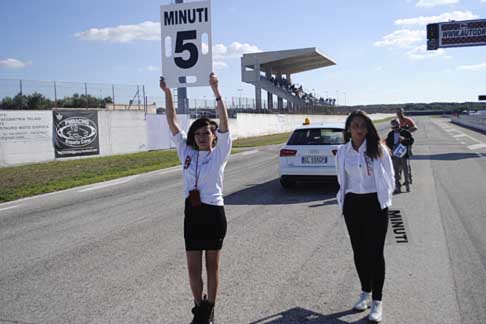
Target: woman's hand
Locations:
point(163, 86)
point(213, 81)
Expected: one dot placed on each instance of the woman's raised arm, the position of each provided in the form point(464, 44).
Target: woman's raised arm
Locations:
point(222, 112)
point(169, 108)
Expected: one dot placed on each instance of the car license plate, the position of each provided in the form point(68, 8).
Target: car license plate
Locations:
point(314, 159)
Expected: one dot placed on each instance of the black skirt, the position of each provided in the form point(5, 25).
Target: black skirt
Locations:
point(204, 227)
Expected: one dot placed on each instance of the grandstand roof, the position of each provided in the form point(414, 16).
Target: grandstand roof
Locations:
point(288, 61)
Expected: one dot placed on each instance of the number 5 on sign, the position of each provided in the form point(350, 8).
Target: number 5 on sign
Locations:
point(186, 44)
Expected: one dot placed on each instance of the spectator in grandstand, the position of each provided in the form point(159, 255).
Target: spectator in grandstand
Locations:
point(406, 121)
point(365, 176)
point(203, 152)
point(394, 138)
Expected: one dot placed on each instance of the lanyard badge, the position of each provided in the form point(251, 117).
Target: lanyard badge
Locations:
point(194, 196)
point(369, 165)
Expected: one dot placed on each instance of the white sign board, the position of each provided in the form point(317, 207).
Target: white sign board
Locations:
point(186, 44)
point(24, 126)
point(456, 34)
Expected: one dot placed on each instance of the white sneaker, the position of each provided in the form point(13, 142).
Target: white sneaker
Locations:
point(376, 313)
point(363, 301)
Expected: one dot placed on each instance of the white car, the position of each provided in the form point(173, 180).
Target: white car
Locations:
point(310, 153)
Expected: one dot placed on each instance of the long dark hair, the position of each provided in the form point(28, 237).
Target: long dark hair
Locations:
point(373, 146)
point(198, 123)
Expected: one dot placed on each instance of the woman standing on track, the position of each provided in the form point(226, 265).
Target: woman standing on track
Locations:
point(203, 164)
point(366, 179)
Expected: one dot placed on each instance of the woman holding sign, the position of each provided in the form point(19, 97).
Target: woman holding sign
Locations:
point(365, 176)
point(203, 152)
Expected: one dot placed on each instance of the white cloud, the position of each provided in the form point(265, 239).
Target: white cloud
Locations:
point(219, 50)
point(402, 38)
point(222, 53)
point(11, 63)
point(219, 65)
point(234, 50)
point(475, 67)
point(151, 31)
point(434, 3)
point(422, 21)
point(421, 53)
point(147, 30)
point(149, 68)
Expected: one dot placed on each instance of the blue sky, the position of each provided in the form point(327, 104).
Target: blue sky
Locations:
point(378, 45)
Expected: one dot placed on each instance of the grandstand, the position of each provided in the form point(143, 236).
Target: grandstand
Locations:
point(272, 72)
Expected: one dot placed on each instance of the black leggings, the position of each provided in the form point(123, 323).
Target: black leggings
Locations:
point(367, 224)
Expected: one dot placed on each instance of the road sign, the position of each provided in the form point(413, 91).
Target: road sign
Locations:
point(186, 43)
point(482, 97)
point(456, 34)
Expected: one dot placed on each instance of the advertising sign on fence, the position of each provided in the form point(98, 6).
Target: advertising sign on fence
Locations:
point(186, 44)
point(456, 34)
point(75, 133)
point(24, 126)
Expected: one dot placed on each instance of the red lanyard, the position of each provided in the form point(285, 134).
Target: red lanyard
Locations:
point(197, 175)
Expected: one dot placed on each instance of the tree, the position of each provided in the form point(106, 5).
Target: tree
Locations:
point(7, 103)
point(20, 102)
point(37, 101)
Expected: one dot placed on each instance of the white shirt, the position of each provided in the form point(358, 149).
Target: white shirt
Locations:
point(382, 171)
point(358, 167)
point(396, 138)
point(210, 167)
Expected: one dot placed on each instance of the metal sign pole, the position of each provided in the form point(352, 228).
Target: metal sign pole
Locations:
point(182, 92)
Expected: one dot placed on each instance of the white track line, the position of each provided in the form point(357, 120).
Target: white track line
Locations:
point(249, 152)
point(108, 184)
point(476, 146)
point(461, 134)
point(10, 207)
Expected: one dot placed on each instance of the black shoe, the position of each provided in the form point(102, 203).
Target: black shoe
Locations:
point(206, 311)
point(196, 311)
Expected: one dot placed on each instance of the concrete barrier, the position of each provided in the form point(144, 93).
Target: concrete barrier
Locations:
point(26, 136)
point(476, 122)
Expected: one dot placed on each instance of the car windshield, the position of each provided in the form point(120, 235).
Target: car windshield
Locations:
point(317, 136)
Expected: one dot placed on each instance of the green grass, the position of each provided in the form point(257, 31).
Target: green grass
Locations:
point(28, 180)
point(261, 140)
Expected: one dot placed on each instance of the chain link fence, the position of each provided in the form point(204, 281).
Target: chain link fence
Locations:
point(36, 94)
point(59, 91)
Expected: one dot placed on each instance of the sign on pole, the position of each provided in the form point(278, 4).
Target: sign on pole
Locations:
point(456, 34)
point(186, 43)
